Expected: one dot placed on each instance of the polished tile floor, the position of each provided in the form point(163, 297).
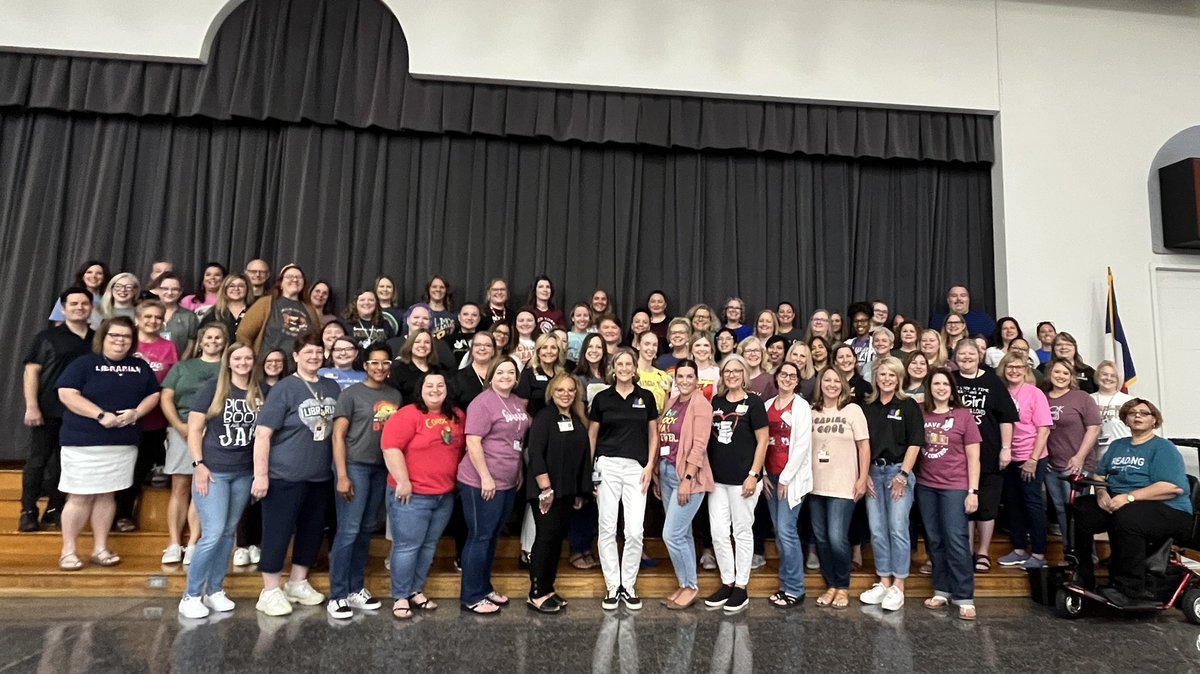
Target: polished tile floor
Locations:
point(53, 636)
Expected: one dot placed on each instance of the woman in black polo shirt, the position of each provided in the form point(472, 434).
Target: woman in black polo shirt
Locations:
point(737, 449)
point(624, 444)
point(897, 429)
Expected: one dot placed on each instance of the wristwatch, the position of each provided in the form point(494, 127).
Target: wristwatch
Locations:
point(197, 463)
point(973, 491)
point(1129, 498)
point(904, 473)
point(687, 476)
point(101, 415)
point(756, 476)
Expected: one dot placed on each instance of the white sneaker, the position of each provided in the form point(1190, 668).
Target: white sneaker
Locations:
point(363, 601)
point(217, 601)
point(255, 554)
point(893, 600)
point(273, 602)
point(708, 562)
point(300, 592)
point(188, 553)
point(173, 555)
point(241, 557)
point(339, 609)
point(874, 595)
point(192, 607)
point(757, 562)
point(813, 562)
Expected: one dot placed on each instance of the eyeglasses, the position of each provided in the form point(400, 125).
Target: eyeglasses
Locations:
point(956, 323)
point(378, 363)
point(820, 320)
point(232, 286)
point(344, 349)
point(124, 286)
point(1015, 368)
point(786, 375)
point(1140, 413)
point(749, 351)
point(118, 336)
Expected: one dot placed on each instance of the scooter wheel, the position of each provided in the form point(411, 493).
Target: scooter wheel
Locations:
point(1068, 605)
point(1189, 603)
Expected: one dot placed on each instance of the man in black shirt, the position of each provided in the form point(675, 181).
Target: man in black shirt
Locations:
point(49, 355)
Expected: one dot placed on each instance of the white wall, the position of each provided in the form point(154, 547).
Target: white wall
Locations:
point(1087, 92)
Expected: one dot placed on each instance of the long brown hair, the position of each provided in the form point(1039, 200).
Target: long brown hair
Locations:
point(254, 396)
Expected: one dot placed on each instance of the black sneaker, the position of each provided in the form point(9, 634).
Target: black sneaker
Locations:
point(50, 518)
point(612, 600)
point(718, 598)
point(29, 522)
point(738, 600)
point(631, 600)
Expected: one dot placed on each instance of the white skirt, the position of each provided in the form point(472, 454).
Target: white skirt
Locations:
point(179, 459)
point(97, 469)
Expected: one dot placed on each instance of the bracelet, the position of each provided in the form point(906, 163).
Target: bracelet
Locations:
point(546, 493)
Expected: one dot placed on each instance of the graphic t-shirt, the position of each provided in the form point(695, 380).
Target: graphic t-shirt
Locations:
point(732, 443)
point(658, 383)
point(433, 446)
point(301, 415)
point(943, 460)
point(780, 423)
point(114, 386)
point(548, 320)
point(343, 378)
point(1111, 426)
point(1127, 467)
point(228, 445)
point(988, 400)
point(366, 333)
point(161, 356)
point(1073, 412)
point(835, 450)
point(288, 320)
point(442, 323)
point(501, 425)
point(367, 410)
point(670, 426)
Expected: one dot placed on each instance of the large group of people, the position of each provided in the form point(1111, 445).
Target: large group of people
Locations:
point(282, 421)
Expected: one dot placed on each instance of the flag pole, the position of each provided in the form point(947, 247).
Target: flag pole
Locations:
point(1112, 328)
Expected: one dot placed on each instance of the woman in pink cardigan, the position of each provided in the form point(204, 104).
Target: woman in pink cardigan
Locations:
point(684, 476)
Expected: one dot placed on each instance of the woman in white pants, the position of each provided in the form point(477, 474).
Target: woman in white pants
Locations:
point(737, 448)
point(624, 438)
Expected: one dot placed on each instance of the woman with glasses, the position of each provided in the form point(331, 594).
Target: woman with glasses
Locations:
point(120, 296)
point(276, 321)
point(179, 324)
point(343, 364)
point(1067, 348)
point(362, 411)
point(230, 304)
point(1023, 479)
point(735, 313)
point(106, 395)
point(954, 330)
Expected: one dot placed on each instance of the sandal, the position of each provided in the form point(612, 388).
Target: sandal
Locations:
point(926, 568)
point(841, 599)
point(401, 612)
point(936, 602)
point(106, 558)
point(70, 562)
point(782, 599)
point(548, 605)
point(425, 604)
point(966, 612)
point(497, 598)
point(579, 561)
point(126, 525)
point(482, 607)
point(983, 564)
point(826, 599)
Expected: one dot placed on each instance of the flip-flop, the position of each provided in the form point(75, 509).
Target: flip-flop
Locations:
point(106, 558)
point(579, 561)
point(826, 598)
point(936, 602)
point(427, 605)
point(477, 607)
point(967, 612)
point(497, 598)
point(401, 612)
point(70, 562)
point(841, 599)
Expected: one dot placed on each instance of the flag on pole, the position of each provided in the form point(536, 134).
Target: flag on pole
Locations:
point(1113, 327)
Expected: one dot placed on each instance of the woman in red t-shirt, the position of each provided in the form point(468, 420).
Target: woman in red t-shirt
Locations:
point(422, 446)
point(948, 491)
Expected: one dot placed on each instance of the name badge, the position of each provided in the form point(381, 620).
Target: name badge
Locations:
point(741, 409)
point(516, 445)
point(566, 426)
point(664, 451)
point(823, 456)
point(639, 404)
point(541, 377)
point(895, 415)
point(595, 476)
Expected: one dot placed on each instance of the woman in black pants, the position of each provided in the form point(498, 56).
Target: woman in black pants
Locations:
point(557, 479)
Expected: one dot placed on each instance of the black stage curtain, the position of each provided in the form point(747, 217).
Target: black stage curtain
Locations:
point(345, 62)
point(347, 204)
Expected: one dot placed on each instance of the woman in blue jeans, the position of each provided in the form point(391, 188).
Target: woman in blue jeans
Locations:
point(896, 426)
point(841, 453)
point(422, 445)
point(220, 441)
point(789, 479)
point(684, 476)
point(488, 478)
point(362, 411)
point(948, 491)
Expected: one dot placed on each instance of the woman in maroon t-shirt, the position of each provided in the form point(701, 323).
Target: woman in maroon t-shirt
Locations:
point(948, 491)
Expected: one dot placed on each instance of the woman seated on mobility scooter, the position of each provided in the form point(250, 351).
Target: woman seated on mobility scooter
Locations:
point(1145, 503)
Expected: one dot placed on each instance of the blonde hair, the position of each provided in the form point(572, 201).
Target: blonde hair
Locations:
point(541, 341)
point(809, 370)
point(106, 300)
point(1013, 357)
point(738, 360)
point(844, 398)
point(254, 396)
point(893, 365)
point(764, 365)
point(940, 359)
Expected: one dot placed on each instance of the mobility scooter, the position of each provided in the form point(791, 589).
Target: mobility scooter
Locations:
point(1169, 578)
